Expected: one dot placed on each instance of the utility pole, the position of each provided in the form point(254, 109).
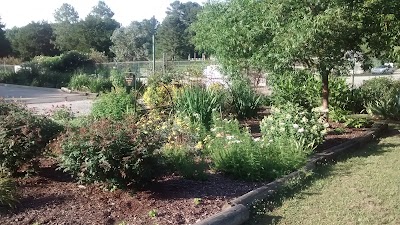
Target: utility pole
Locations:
point(154, 55)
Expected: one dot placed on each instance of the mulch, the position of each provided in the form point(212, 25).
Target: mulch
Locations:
point(52, 197)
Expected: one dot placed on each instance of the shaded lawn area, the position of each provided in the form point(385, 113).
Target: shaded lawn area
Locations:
point(362, 188)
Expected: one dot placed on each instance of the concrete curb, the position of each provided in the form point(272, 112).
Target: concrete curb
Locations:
point(237, 211)
point(88, 94)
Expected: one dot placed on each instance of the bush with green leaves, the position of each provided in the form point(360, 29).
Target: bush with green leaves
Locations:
point(245, 100)
point(23, 136)
point(342, 96)
point(114, 105)
point(160, 96)
point(119, 153)
point(292, 122)
point(182, 151)
point(8, 193)
point(198, 103)
point(84, 82)
point(236, 153)
point(382, 97)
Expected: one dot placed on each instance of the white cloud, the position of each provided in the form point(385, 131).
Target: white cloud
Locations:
point(21, 12)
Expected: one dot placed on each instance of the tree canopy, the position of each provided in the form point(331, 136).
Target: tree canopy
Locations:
point(5, 47)
point(276, 35)
point(134, 42)
point(174, 35)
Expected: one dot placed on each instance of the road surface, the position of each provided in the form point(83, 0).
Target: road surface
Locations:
point(42, 100)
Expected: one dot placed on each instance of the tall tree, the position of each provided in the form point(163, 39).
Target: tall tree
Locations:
point(67, 31)
point(98, 28)
point(5, 47)
point(32, 40)
point(66, 14)
point(174, 37)
point(134, 42)
point(274, 35)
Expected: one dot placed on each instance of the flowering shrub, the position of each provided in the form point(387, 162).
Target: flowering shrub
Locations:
point(159, 95)
point(23, 136)
point(292, 122)
point(289, 136)
point(183, 149)
point(234, 152)
point(118, 153)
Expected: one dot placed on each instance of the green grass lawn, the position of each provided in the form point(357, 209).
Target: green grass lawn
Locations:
point(362, 188)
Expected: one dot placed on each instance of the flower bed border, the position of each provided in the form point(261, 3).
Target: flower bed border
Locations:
point(237, 211)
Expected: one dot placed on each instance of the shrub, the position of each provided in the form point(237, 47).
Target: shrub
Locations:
point(84, 82)
point(198, 103)
point(183, 149)
point(118, 153)
point(7, 192)
point(235, 153)
point(382, 97)
point(23, 136)
point(114, 105)
point(117, 79)
point(245, 100)
point(292, 122)
point(159, 96)
point(341, 96)
point(283, 148)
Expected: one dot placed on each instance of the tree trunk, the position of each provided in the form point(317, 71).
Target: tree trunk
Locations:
point(325, 93)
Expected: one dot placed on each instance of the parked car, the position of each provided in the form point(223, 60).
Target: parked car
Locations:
point(383, 69)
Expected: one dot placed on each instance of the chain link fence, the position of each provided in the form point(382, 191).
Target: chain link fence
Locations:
point(145, 68)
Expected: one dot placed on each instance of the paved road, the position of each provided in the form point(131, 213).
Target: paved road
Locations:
point(44, 99)
point(359, 79)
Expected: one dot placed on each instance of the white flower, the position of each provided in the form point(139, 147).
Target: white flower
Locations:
point(230, 137)
point(288, 116)
point(270, 141)
point(326, 125)
point(301, 130)
point(272, 128)
point(295, 126)
point(257, 139)
point(282, 124)
point(282, 129)
point(323, 132)
point(236, 141)
point(213, 129)
point(304, 119)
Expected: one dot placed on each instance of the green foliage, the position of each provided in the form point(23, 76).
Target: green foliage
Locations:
point(245, 100)
point(342, 96)
point(292, 122)
point(120, 153)
point(153, 213)
point(23, 136)
point(7, 192)
point(34, 39)
point(5, 46)
point(234, 152)
point(117, 79)
point(159, 96)
point(134, 42)
point(299, 87)
point(198, 103)
point(84, 82)
point(173, 35)
point(182, 151)
point(114, 105)
point(381, 97)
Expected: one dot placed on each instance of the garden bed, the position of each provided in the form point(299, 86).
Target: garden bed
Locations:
point(52, 197)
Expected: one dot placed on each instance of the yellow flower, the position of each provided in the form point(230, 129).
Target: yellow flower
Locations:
point(199, 145)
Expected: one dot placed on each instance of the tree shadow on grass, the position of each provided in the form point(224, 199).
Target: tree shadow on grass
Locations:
point(259, 212)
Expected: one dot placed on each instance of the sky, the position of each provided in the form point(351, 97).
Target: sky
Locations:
point(21, 12)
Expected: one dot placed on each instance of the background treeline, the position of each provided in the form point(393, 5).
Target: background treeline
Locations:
point(101, 36)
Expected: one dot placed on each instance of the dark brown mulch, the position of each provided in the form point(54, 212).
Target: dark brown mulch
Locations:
point(52, 197)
